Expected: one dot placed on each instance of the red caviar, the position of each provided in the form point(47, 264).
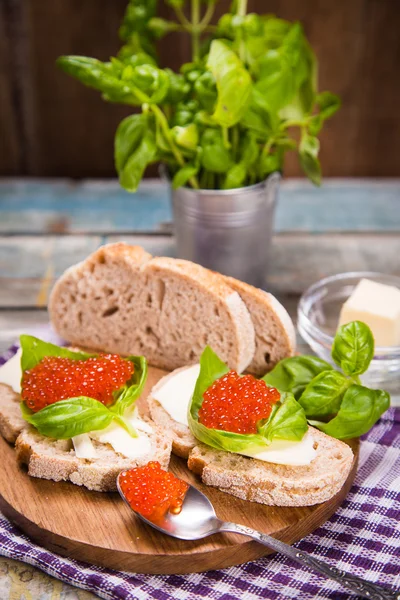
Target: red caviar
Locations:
point(55, 378)
point(236, 403)
point(151, 491)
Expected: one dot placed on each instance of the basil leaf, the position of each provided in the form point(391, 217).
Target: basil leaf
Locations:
point(34, 350)
point(212, 368)
point(323, 395)
point(127, 139)
point(328, 104)
point(353, 348)
point(68, 418)
point(134, 168)
point(215, 157)
point(131, 391)
point(295, 373)
point(360, 410)
point(308, 155)
point(226, 440)
point(233, 84)
point(183, 175)
point(94, 73)
point(235, 177)
point(287, 422)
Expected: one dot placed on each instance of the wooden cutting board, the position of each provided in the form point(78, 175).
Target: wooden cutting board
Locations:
point(99, 528)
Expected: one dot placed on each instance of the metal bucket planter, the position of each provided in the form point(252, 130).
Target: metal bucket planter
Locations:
point(227, 230)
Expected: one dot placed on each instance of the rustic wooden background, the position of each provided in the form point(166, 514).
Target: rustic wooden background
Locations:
point(50, 125)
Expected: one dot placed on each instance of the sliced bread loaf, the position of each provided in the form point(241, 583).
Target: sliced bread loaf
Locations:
point(275, 333)
point(121, 300)
point(272, 484)
point(47, 458)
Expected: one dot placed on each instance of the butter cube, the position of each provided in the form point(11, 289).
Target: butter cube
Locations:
point(378, 306)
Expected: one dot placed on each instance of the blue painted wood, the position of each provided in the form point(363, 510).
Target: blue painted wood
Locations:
point(38, 206)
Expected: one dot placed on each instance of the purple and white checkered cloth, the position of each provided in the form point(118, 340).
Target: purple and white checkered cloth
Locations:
point(363, 538)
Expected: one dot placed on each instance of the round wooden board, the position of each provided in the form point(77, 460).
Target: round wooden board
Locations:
point(99, 528)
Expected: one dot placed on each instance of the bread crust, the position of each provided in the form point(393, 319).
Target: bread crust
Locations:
point(272, 484)
point(11, 421)
point(274, 329)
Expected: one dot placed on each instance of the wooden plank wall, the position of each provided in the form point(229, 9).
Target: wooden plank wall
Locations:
point(50, 125)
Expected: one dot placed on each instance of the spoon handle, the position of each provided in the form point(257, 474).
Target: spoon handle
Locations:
point(352, 582)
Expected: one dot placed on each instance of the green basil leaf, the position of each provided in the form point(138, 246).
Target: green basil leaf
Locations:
point(360, 410)
point(215, 156)
point(131, 391)
point(187, 136)
point(225, 440)
point(233, 84)
point(270, 163)
point(257, 117)
point(127, 139)
point(308, 155)
point(287, 422)
point(136, 17)
point(178, 88)
point(249, 150)
point(93, 73)
point(34, 350)
point(160, 27)
point(134, 168)
point(353, 348)
point(206, 90)
point(211, 368)
point(323, 395)
point(235, 177)
point(295, 373)
point(183, 175)
point(328, 105)
point(68, 418)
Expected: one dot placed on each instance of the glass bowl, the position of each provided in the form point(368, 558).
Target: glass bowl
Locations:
point(318, 316)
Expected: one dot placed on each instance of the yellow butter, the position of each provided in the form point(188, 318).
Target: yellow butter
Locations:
point(378, 306)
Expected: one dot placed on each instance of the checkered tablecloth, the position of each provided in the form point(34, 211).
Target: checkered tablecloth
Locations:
point(363, 538)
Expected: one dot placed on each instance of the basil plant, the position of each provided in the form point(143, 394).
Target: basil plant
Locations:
point(227, 119)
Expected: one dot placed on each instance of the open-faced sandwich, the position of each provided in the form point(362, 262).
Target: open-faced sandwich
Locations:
point(273, 440)
point(73, 415)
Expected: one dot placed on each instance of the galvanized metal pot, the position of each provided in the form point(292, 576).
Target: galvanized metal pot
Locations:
point(227, 230)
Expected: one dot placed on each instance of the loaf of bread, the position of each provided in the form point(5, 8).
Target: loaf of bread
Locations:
point(122, 300)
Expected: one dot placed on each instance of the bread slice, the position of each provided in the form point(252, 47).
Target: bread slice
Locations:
point(180, 435)
point(121, 300)
point(272, 484)
point(11, 421)
point(275, 332)
point(47, 458)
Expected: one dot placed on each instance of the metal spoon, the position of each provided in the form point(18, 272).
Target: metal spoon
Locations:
point(198, 520)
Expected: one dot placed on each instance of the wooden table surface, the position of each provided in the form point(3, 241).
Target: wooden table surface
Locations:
point(46, 226)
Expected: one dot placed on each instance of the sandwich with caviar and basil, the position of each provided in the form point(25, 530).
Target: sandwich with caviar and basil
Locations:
point(275, 440)
point(73, 415)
